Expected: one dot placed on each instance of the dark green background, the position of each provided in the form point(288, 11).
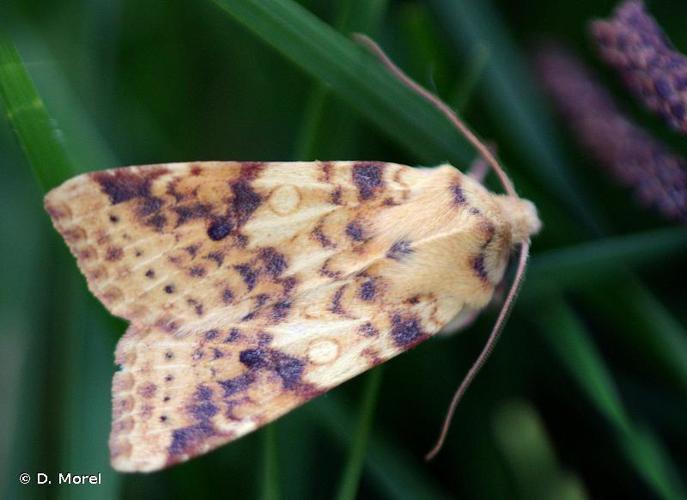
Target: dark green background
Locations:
point(585, 395)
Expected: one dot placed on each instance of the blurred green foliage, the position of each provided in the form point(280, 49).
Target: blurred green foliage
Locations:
point(585, 396)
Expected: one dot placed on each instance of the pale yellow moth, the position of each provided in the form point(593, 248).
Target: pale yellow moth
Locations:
point(254, 287)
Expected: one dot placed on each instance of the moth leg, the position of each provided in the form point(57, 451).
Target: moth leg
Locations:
point(460, 321)
point(479, 166)
point(478, 169)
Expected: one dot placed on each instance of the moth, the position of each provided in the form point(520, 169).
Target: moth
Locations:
point(252, 288)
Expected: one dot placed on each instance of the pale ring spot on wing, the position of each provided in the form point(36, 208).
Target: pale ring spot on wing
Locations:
point(323, 351)
point(284, 199)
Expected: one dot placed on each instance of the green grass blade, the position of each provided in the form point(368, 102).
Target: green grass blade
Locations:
point(424, 53)
point(522, 438)
point(356, 458)
point(352, 74)
point(329, 127)
point(84, 405)
point(86, 146)
point(270, 464)
point(567, 336)
point(586, 264)
point(38, 134)
point(307, 146)
point(647, 326)
point(472, 76)
point(391, 469)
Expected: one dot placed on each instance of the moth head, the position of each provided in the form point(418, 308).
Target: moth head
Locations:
point(521, 215)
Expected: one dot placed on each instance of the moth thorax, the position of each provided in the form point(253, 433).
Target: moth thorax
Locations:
point(522, 217)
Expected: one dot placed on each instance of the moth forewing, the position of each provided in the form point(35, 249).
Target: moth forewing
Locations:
point(253, 287)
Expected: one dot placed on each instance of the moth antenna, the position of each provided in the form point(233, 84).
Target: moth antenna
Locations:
point(481, 147)
point(486, 350)
point(489, 157)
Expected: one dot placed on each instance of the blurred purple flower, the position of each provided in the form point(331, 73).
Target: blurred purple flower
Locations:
point(634, 44)
point(658, 176)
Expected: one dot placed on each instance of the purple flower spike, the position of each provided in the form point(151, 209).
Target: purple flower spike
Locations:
point(634, 44)
point(638, 160)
